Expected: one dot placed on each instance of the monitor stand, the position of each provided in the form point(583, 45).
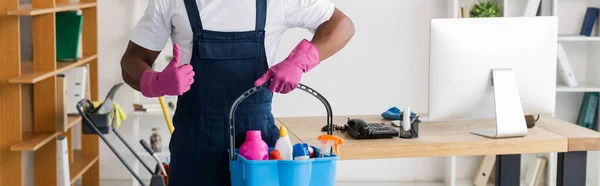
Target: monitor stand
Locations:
point(510, 120)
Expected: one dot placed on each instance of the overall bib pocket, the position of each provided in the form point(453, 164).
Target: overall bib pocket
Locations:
point(228, 50)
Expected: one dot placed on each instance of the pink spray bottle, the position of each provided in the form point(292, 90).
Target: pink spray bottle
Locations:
point(254, 148)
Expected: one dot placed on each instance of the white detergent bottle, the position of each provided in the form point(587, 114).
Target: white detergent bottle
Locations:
point(284, 145)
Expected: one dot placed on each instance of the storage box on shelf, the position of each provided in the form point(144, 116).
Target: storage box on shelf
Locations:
point(30, 94)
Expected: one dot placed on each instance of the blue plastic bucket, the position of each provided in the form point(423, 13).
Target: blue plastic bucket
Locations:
point(311, 172)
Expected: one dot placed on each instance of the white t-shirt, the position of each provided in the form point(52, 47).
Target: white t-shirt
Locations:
point(164, 18)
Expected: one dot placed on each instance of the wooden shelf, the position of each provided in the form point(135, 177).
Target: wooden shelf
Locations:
point(578, 38)
point(42, 71)
point(158, 113)
point(26, 10)
point(32, 142)
point(73, 120)
point(164, 153)
point(30, 77)
point(80, 165)
point(578, 88)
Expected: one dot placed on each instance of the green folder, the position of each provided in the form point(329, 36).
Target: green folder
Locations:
point(587, 112)
point(68, 31)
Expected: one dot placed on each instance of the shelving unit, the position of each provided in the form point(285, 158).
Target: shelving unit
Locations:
point(29, 76)
point(32, 141)
point(585, 62)
point(41, 75)
point(579, 88)
point(137, 113)
point(577, 38)
point(582, 52)
point(28, 10)
point(81, 164)
point(137, 127)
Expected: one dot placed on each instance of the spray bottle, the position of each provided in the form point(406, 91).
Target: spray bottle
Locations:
point(329, 142)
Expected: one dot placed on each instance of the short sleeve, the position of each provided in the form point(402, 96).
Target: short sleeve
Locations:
point(308, 14)
point(153, 29)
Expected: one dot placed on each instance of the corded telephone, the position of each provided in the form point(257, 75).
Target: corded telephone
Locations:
point(359, 129)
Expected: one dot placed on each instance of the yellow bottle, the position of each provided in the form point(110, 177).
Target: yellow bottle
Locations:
point(283, 144)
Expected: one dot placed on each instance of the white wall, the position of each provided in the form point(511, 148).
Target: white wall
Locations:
point(115, 22)
point(390, 46)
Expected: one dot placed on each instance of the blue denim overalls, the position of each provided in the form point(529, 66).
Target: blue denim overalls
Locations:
point(226, 64)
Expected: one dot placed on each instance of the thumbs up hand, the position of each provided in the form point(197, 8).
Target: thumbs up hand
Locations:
point(174, 80)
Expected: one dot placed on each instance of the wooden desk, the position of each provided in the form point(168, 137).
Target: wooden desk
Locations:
point(580, 138)
point(439, 139)
point(435, 139)
point(572, 164)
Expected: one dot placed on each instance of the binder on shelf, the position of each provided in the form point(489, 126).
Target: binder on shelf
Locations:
point(68, 32)
point(565, 72)
point(587, 112)
point(546, 8)
point(64, 176)
point(591, 14)
point(76, 85)
point(484, 173)
point(534, 172)
point(61, 100)
point(543, 163)
point(532, 8)
point(465, 12)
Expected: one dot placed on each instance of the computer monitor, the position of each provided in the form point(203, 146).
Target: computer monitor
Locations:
point(502, 68)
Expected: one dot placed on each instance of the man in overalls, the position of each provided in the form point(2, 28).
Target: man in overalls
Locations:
point(221, 49)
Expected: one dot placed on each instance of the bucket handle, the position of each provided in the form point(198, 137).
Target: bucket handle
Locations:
point(253, 90)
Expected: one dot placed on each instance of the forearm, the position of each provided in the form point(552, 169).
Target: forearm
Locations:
point(131, 70)
point(333, 35)
point(134, 62)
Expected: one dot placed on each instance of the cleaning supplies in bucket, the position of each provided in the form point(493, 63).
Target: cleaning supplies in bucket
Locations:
point(283, 144)
point(254, 148)
point(301, 151)
point(329, 142)
point(275, 155)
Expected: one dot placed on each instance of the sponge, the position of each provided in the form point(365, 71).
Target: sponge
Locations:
point(395, 113)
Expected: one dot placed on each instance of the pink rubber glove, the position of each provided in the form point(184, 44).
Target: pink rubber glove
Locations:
point(286, 75)
point(174, 80)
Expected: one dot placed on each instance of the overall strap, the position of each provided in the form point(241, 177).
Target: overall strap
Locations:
point(194, 17)
point(261, 14)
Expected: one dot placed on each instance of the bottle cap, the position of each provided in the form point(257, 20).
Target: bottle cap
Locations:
point(253, 134)
point(283, 131)
point(275, 155)
point(300, 151)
